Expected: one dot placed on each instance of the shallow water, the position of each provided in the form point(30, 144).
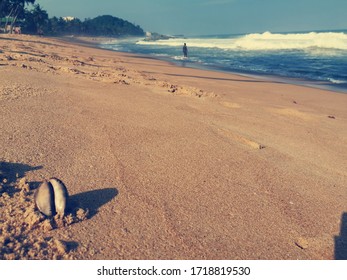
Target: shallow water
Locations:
point(315, 58)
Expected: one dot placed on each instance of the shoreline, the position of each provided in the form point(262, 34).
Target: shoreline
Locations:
point(96, 42)
point(267, 77)
point(165, 162)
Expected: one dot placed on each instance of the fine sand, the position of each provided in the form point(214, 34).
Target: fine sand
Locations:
point(165, 162)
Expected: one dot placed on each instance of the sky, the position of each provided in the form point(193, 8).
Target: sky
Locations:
point(207, 17)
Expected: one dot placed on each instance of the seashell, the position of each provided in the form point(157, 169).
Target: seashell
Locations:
point(60, 196)
point(44, 198)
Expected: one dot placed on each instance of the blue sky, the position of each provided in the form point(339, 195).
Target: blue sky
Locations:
point(204, 17)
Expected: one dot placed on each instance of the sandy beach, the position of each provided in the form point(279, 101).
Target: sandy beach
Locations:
point(166, 162)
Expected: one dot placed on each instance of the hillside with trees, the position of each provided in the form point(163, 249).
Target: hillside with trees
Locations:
point(32, 19)
point(110, 26)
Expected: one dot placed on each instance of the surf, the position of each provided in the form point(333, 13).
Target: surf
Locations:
point(262, 41)
point(316, 57)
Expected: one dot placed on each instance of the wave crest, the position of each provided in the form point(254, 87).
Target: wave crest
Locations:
point(264, 41)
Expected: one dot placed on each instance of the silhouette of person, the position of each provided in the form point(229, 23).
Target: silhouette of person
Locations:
point(185, 50)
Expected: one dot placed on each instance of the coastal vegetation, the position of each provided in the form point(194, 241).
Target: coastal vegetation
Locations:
point(27, 17)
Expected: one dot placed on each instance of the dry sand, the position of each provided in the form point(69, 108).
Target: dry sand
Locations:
point(165, 162)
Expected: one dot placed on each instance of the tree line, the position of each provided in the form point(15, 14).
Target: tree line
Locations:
point(34, 20)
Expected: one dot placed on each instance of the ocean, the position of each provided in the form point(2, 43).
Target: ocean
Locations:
point(317, 59)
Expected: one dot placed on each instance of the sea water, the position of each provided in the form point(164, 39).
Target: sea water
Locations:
point(312, 58)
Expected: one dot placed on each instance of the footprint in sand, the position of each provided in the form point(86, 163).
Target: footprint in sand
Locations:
point(289, 112)
point(241, 139)
point(231, 105)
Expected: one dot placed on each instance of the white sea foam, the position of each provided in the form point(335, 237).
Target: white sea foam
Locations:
point(334, 81)
point(264, 41)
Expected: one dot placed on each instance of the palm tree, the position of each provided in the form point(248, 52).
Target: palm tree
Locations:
point(12, 10)
point(40, 18)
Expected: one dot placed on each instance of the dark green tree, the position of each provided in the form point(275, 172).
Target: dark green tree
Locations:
point(56, 26)
point(35, 20)
point(110, 26)
point(13, 10)
point(73, 27)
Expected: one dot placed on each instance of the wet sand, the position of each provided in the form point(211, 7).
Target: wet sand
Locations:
point(165, 162)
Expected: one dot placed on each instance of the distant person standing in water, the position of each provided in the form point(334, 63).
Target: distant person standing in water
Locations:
point(185, 50)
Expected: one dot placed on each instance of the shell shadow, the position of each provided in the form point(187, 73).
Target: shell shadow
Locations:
point(341, 240)
point(71, 245)
point(12, 170)
point(92, 200)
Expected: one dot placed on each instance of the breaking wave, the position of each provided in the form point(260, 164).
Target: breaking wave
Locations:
point(263, 41)
point(313, 56)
